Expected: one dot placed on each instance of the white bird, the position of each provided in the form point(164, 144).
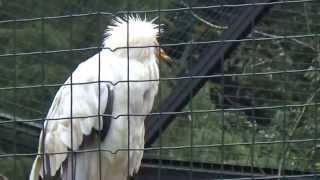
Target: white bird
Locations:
point(77, 104)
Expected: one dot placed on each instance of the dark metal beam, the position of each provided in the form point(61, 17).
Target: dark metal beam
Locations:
point(27, 136)
point(175, 170)
point(18, 134)
point(209, 64)
point(21, 135)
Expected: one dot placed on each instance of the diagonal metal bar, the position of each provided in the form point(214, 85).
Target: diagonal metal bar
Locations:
point(209, 64)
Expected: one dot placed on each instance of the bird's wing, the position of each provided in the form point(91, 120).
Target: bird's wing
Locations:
point(107, 115)
point(81, 102)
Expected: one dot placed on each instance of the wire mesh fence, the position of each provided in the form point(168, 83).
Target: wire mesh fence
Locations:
point(247, 112)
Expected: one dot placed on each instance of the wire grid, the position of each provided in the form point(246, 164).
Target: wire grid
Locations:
point(257, 114)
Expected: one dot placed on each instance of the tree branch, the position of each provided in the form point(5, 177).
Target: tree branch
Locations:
point(203, 20)
point(295, 127)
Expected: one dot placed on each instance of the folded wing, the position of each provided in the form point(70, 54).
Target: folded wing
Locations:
point(74, 111)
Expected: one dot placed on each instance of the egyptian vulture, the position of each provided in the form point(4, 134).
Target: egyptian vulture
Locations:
point(100, 86)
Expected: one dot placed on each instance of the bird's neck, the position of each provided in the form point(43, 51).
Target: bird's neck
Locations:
point(140, 54)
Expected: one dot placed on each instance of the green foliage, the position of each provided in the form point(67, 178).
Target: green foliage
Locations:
point(251, 137)
point(15, 168)
point(226, 133)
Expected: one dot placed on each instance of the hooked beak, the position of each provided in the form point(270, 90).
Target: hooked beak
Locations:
point(162, 55)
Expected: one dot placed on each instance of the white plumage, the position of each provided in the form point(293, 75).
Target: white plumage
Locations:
point(143, 65)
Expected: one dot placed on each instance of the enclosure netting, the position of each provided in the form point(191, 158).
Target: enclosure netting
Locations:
point(256, 115)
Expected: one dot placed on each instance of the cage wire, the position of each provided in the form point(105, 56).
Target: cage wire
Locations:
point(252, 115)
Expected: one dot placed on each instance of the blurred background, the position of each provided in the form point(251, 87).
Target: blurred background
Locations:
point(257, 111)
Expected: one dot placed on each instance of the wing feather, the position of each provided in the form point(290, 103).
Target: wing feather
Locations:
point(73, 111)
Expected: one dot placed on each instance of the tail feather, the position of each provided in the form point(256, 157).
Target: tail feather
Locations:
point(34, 174)
point(65, 172)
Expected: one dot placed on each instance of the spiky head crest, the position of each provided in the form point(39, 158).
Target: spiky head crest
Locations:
point(132, 31)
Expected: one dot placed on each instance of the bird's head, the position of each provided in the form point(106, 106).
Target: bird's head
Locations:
point(140, 35)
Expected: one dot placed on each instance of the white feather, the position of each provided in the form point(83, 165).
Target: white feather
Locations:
point(85, 97)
